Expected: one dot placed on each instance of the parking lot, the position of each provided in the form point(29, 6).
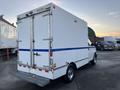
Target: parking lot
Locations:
point(105, 75)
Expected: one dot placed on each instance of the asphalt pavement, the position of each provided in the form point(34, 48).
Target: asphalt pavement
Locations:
point(105, 75)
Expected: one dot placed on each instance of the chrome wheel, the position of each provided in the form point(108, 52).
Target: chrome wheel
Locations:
point(70, 73)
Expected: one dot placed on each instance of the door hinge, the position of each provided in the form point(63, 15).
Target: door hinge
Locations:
point(19, 40)
point(37, 54)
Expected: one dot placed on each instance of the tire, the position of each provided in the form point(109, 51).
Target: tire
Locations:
point(70, 74)
point(94, 61)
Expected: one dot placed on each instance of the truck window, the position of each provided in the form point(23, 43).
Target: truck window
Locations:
point(89, 42)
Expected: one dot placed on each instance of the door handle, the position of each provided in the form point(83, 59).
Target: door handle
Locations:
point(19, 40)
point(48, 39)
point(37, 54)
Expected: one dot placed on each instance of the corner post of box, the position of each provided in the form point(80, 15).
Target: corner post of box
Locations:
point(50, 38)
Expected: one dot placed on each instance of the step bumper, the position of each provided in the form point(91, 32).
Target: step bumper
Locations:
point(32, 78)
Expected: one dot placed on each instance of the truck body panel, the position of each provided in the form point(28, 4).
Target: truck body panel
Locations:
point(69, 39)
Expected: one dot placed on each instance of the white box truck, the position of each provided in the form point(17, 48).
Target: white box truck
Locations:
point(52, 43)
point(8, 37)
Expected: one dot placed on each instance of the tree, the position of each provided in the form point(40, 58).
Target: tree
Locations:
point(91, 35)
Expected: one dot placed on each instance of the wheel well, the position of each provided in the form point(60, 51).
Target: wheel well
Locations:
point(74, 65)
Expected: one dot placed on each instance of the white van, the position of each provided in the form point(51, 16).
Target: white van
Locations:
point(52, 43)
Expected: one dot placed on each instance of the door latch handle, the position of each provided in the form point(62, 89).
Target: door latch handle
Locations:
point(48, 39)
point(19, 40)
point(37, 54)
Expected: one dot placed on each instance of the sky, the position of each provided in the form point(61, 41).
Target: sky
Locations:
point(103, 16)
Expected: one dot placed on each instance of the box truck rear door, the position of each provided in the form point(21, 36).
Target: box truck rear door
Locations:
point(24, 27)
point(41, 35)
point(34, 36)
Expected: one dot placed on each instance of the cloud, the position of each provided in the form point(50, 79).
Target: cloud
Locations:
point(96, 25)
point(56, 1)
point(114, 14)
point(115, 34)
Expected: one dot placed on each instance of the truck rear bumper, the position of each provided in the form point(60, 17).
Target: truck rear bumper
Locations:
point(41, 81)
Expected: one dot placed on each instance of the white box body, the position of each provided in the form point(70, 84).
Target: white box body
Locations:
point(8, 35)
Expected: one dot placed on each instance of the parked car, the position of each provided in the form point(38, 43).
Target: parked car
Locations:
point(104, 45)
point(118, 45)
point(114, 44)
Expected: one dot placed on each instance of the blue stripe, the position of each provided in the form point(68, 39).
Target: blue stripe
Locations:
point(37, 50)
point(55, 50)
point(66, 49)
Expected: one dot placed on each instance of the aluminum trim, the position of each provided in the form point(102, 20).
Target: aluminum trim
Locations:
point(33, 14)
point(67, 64)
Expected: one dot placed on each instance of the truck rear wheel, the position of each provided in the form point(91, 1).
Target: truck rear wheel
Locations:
point(70, 73)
